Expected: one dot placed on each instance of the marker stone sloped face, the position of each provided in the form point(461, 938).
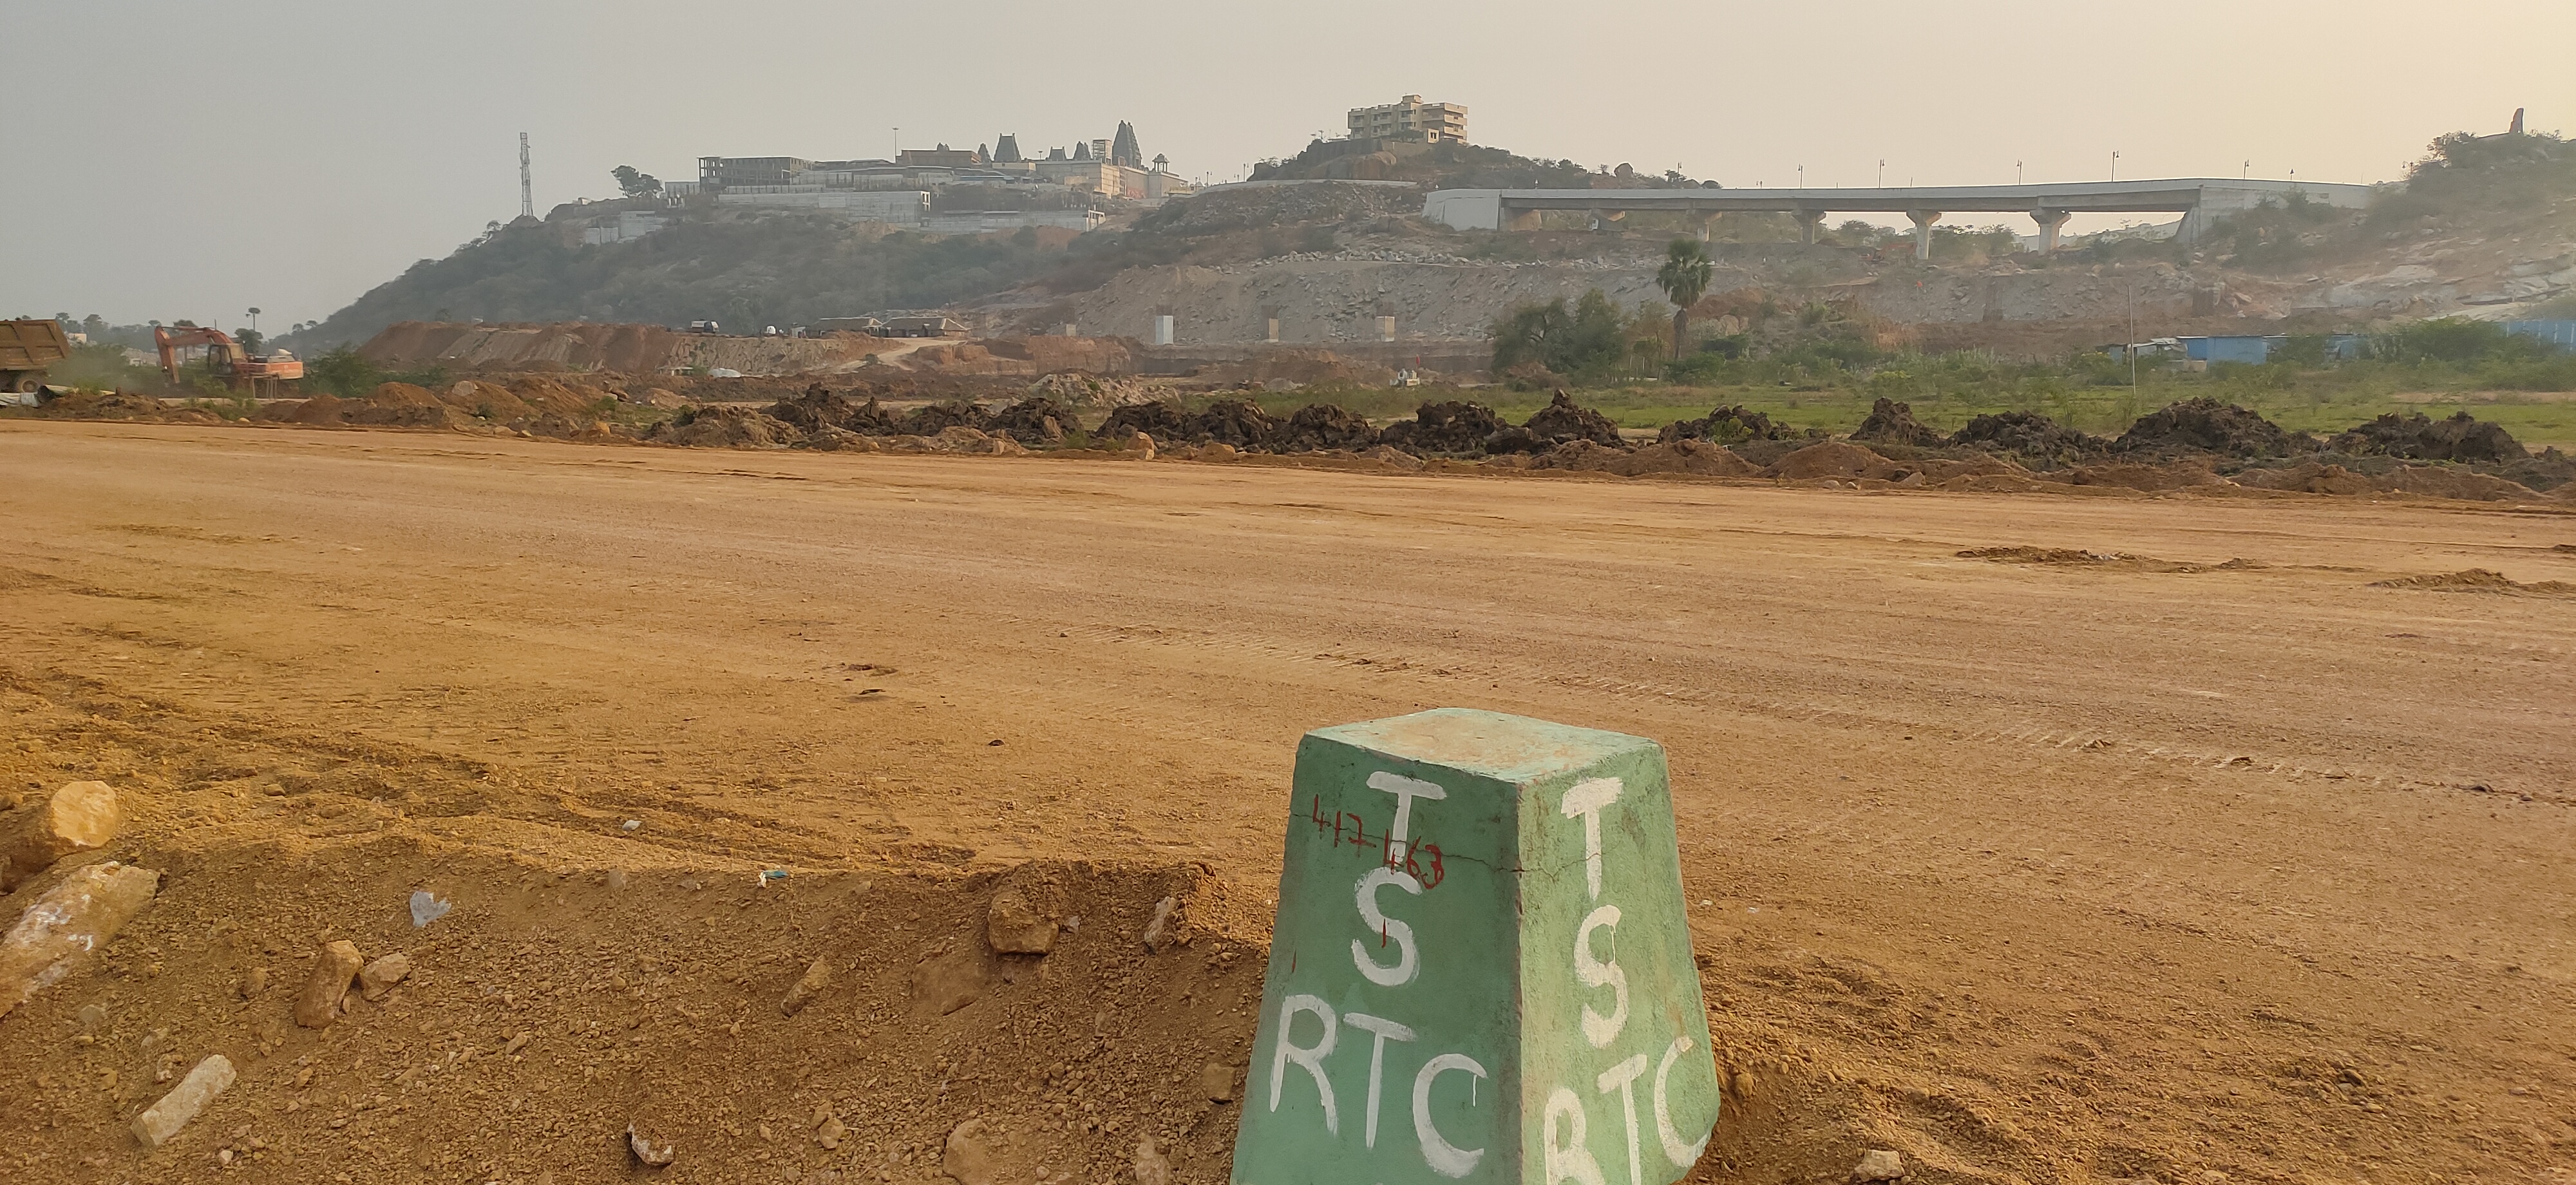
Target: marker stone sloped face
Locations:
point(1481, 969)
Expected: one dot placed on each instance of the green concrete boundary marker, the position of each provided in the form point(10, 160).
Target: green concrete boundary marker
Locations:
point(1481, 969)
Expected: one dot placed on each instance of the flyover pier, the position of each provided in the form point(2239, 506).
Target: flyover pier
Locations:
point(2200, 201)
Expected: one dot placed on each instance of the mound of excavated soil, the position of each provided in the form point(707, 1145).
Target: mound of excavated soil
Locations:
point(2486, 580)
point(1452, 428)
point(1037, 421)
point(2548, 470)
point(1695, 457)
point(2027, 434)
point(2307, 477)
point(1076, 389)
point(102, 405)
point(1890, 422)
point(725, 425)
point(2205, 425)
point(1563, 421)
point(826, 1025)
point(1831, 459)
point(814, 409)
point(2429, 481)
point(931, 419)
point(1726, 425)
point(1160, 420)
point(1319, 426)
point(531, 404)
point(2151, 479)
point(1239, 423)
point(2072, 557)
point(2416, 437)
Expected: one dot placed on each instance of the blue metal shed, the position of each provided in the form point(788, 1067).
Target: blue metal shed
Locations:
point(2561, 334)
point(2253, 350)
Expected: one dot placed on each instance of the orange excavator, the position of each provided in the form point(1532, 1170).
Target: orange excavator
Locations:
point(240, 368)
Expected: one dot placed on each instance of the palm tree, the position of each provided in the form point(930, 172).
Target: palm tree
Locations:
point(1684, 277)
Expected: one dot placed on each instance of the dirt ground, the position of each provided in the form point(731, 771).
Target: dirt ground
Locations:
point(2122, 862)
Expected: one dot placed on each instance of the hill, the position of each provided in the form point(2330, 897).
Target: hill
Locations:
point(741, 267)
point(1331, 242)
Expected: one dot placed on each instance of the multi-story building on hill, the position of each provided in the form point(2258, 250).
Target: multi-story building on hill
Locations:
point(1410, 119)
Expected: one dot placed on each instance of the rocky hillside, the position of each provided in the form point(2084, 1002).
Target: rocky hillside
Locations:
point(745, 268)
point(2485, 227)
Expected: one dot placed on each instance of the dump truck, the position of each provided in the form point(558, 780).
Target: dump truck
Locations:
point(26, 349)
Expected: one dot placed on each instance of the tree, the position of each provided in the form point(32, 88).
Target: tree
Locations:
point(249, 339)
point(1684, 278)
point(635, 184)
point(1566, 342)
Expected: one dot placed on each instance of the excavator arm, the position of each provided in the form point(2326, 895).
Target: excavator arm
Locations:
point(228, 359)
point(170, 340)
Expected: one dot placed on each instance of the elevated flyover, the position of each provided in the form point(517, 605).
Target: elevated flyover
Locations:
point(2198, 200)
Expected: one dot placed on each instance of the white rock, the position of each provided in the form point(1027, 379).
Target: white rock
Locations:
point(1151, 1168)
point(67, 925)
point(1878, 1164)
point(645, 1153)
point(163, 1119)
point(1157, 930)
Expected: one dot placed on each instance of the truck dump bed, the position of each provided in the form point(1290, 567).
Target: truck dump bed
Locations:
point(32, 345)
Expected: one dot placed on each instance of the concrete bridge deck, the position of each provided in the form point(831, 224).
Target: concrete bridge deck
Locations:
point(2198, 200)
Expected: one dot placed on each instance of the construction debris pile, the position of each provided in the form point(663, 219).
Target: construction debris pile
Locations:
point(2195, 444)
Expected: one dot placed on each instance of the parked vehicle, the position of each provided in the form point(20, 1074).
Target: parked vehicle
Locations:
point(237, 367)
point(704, 327)
point(26, 349)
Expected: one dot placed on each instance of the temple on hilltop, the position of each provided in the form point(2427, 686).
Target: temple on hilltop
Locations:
point(1114, 167)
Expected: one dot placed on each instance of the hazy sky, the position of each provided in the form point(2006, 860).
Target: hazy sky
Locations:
point(168, 160)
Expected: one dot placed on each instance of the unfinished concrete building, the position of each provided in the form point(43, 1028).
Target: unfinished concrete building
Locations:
point(1410, 119)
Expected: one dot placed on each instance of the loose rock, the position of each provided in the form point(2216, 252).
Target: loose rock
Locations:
point(66, 926)
point(966, 1159)
point(1151, 1168)
point(1217, 1079)
point(326, 992)
point(1158, 929)
point(645, 1153)
point(816, 980)
point(380, 976)
point(80, 817)
point(1878, 1164)
point(163, 1119)
point(1015, 927)
point(830, 1133)
point(947, 983)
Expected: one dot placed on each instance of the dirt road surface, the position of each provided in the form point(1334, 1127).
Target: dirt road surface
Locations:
point(2124, 869)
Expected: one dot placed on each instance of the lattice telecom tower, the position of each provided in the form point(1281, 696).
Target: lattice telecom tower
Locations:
point(527, 195)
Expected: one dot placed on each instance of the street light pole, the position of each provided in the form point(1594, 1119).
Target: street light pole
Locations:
point(2115, 165)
